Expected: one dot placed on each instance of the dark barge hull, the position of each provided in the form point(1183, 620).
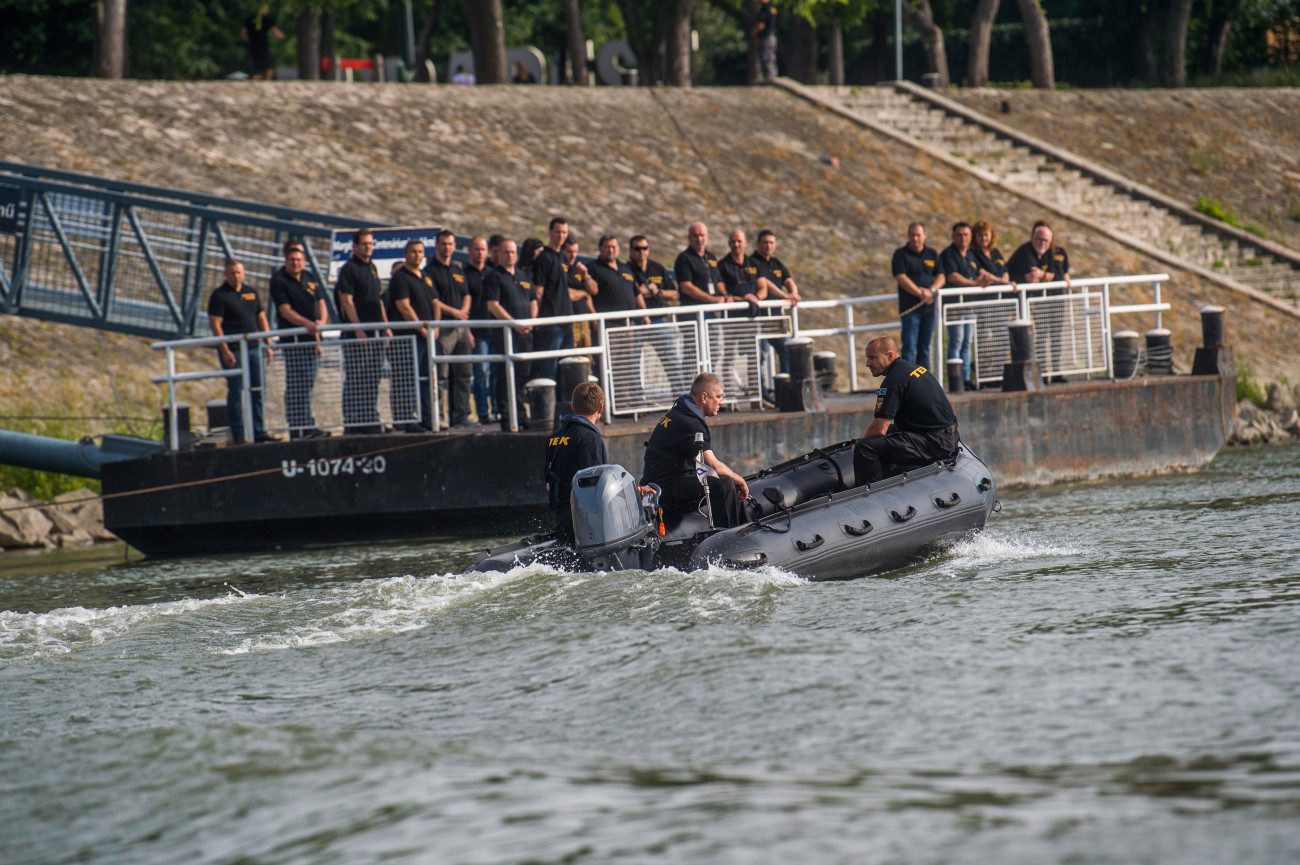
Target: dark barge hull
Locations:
point(319, 492)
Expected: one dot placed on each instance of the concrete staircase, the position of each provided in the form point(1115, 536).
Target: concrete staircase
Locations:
point(1041, 174)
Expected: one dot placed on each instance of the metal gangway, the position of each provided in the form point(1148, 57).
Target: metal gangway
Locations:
point(135, 258)
point(645, 359)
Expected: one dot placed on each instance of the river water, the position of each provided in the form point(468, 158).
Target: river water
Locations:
point(1108, 674)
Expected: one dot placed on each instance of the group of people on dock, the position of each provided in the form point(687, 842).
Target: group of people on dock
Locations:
point(972, 260)
point(500, 280)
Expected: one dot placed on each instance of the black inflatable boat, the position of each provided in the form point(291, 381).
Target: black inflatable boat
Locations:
point(806, 517)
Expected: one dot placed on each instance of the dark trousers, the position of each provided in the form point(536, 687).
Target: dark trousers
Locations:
point(363, 361)
point(300, 363)
point(880, 457)
point(551, 337)
point(523, 372)
point(685, 495)
point(459, 377)
point(234, 399)
point(563, 521)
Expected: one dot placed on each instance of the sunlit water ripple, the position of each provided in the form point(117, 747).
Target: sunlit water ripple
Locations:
point(1107, 674)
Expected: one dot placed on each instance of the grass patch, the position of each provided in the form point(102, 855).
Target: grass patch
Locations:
point(1293, 212)
point(1248, 387)
point(1214, 209)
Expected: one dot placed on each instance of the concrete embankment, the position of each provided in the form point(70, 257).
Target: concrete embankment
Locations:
point(489, 159)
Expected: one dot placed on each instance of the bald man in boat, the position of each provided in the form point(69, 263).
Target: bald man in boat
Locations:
point(914, 423)
point(670, 458)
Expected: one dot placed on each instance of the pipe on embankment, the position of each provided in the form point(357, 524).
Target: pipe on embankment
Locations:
point(80, 458)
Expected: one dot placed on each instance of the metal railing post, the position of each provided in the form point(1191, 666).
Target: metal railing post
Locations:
point(434, 395)
point(508, 350)
point(705, 360)
point(174, 426)
point(245, 394)
point(851, 339)
point(1156, 299)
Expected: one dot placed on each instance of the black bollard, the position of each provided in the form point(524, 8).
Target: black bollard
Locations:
point(573, 372)
point(541, 401)
point(956, 384)
point(1125, 353)
point(824, 369)
point(1160, 352)
point(183, 434)
point(217, 418)
point(1213, 357)
point(799, 350)
point(1022, 372)
point(799, 392)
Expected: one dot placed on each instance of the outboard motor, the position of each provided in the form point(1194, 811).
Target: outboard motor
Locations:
point(611, 524)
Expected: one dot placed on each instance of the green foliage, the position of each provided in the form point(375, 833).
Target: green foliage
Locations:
point(1214, 209)
point(1248, 387)
point(1293, 212)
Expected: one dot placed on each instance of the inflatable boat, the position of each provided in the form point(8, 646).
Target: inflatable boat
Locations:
point(806, 517)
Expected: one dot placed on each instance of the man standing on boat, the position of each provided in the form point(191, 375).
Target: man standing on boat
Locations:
point(359, 297)
point(234, 309)
point(670, 458)
point(914, 423)
point(575, 444)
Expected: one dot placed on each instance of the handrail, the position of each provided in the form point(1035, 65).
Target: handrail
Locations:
point(698, 312)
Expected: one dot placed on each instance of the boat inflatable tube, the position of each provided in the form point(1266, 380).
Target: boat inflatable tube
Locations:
point(806, 518)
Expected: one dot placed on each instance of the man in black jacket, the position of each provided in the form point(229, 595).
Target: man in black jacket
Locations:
point(914, 422)
point(670, 458)
point(575, 444)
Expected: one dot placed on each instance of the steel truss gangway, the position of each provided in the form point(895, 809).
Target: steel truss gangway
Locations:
point(135, 258)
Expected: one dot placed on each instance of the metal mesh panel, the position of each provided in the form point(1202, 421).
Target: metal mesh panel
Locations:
point(651, 365)
point(734, 353)
point(349, 384)
point(992, 348)
point(1069, 334)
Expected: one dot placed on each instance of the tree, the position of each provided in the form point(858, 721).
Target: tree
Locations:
point(577, 45)
point(1222, 14)
point(745, 14)
point(981, 30)
point(920, 17)
point(1039, 39)
point(801, 58)
point(110, 39)
point(307, 29)
point(487, 36)
point(677, 41)
point(1173, 72)
point(644, 33)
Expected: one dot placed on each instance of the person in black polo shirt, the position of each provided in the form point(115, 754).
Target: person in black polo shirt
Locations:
point(411, 297)
point(914, 421)
point(739, 272)
point(581, 290)
point(670, 458)
point(1041, 260)
point(298, 302)
point(508, 295)
point(551, 287)
point(484, 383)
point(984, 246)
point(961, 270)
point(775, 281)
point(235, 309)
point(615, 285)
point(360, 301)
point(576, 444)
point(916, 270)
point(454, 302)
point(654, 282)
point(696, 269)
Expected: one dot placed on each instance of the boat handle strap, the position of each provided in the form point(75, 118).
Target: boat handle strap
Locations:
point(951, 502)
point(805, 546)
point(857, 531)
point(902, 518)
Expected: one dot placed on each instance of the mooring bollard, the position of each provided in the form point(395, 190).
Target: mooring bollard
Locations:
point(1214, 357)
point(956, 384)
point(799, 391)
point(1022, 372)
point(1125, 353)
point(573, 372)
point(824, 369)
point(1160, 352)
point(541, 401)
point(216, 411)
point(183, 435)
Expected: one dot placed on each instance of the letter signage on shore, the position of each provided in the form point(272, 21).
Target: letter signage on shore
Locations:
point(390, 244)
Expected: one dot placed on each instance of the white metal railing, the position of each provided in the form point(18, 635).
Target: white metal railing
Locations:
point(1072, 323)
point(644, 367)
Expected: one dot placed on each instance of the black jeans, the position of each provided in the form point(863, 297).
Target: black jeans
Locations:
point(880, 457)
